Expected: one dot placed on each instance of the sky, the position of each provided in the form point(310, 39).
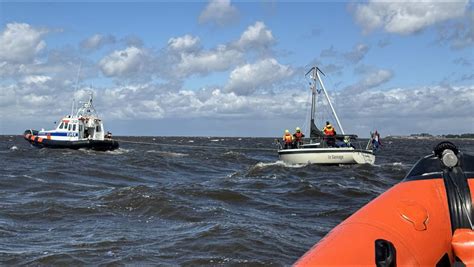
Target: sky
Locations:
point(236, 68)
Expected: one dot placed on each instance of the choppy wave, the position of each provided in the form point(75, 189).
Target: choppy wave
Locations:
point(278, 163)
point(192, 205)
point(167, 153)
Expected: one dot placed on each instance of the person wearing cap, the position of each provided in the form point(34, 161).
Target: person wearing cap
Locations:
point(287, 139)
point(329, 133)
point(298, 138)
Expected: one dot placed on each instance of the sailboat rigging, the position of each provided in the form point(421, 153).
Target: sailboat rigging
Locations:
point(323, 149)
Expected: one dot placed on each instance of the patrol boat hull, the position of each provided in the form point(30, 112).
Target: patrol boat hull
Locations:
point(40, 142)
point(326, 156)
point(81, 129)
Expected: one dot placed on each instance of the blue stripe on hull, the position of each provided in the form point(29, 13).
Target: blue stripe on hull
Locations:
point(53, 134)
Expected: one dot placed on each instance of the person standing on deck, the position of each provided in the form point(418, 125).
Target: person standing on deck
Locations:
point(287, 139)
point(298, 137)
point(376, 141)
point(329, 133)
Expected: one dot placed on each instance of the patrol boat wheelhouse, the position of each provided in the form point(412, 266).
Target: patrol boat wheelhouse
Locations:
point(84, 129)
point(318, 150)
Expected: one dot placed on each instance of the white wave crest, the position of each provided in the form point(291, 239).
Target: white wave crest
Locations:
point(118, 151)
point(168, 153)
point(278, 163)
point(233, 153)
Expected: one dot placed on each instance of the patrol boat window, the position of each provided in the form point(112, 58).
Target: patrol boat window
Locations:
point(65, 125)
point(69, 127)
point(74, 127)
point(61, 125)
point(97, 128)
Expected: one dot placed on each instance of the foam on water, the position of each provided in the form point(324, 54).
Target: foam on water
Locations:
point(167, 153)
point(184, 205)
point(278, 163)
point(118, 151)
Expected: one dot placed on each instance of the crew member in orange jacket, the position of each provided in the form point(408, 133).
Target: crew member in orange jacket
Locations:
point(298, 137)
point(330, 133)
point(287, 139)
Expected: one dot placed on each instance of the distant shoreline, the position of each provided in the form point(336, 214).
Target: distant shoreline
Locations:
point(428, 137)
point(383, 137)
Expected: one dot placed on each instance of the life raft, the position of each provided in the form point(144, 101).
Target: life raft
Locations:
point(426, 220)
point(101, 145)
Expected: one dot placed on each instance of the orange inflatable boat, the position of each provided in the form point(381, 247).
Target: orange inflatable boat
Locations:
point(426, 220)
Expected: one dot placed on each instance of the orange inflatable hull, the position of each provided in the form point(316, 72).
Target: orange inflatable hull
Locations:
point(409, 225)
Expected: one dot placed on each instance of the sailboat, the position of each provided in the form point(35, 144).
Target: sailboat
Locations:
point(337, 149)
point(81, 129)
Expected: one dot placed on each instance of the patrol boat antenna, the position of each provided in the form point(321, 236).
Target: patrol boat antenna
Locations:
point(316, 78)
point(75, 89)
point(87, 109)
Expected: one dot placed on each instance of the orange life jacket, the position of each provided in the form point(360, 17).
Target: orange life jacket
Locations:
point(298, 136)
point(288, 138)
point(329, 130)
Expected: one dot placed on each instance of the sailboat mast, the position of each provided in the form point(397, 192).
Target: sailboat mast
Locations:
point(329, 101)
point(313, 98)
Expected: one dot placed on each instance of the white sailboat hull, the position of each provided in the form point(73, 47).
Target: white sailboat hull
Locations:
point(326, 156)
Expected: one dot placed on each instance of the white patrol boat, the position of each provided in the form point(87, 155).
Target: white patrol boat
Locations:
point(337, 149)
point(84, 129)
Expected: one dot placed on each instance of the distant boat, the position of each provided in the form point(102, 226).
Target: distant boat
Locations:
point(81, 129)
point(337, 149)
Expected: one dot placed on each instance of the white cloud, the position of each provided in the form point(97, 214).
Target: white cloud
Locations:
point(432, 109)
point(359, 113)
point(20, 43)
point(247, 78)
point(341, 59)
point(407, 17)
point(205, 62)
point(329, 52)
point(188, 57)
point(372, 79)
point(144, 109)
point(357, 54)
point(97, 41)
point(215, 103)
point(8, 97)
point(123, 62)
point(35, 100)
point(220, 12)
point(256, 36)
point(376, 78)
point(36, 79)
point(459, 34)
point(185, 43)
point(59, 69)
